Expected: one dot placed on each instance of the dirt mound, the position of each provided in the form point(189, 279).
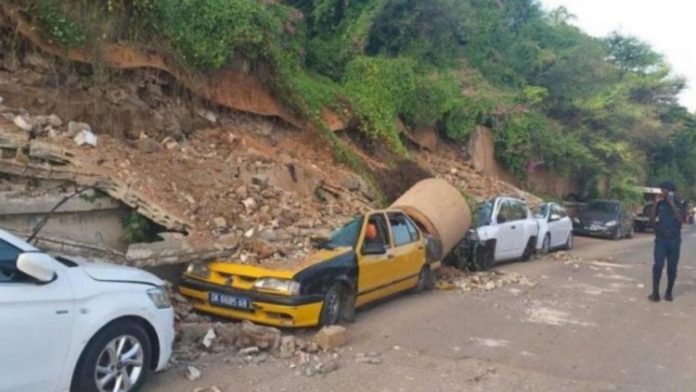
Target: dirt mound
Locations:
point(401, 177)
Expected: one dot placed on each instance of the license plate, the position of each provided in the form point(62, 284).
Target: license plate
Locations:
point(229, 301)
point(595, 228)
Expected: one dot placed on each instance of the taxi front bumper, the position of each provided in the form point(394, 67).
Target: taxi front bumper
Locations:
point(280, 311)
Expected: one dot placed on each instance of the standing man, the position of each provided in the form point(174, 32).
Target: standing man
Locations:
point(667, 218)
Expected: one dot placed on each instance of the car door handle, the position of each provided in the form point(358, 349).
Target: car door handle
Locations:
point(390, 257)
point(59, 312)
point(513, 227)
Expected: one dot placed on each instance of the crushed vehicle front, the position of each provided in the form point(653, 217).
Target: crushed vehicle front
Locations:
point(285, 297)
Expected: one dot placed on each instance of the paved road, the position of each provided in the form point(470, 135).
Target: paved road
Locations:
point(586, 326)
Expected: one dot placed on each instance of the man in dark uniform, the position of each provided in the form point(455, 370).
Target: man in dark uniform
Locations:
point(667, 218)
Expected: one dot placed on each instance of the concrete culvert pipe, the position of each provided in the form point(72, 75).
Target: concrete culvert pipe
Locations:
point(439, 209)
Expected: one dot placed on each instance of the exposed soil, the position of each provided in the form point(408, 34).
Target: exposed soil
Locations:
point(249, 182)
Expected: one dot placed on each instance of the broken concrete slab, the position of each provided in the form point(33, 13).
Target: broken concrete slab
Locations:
point(331, 337)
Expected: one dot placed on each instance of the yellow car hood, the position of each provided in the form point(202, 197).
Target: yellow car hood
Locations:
point(258, 271)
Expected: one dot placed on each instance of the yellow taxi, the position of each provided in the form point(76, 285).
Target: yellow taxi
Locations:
point(372, 257)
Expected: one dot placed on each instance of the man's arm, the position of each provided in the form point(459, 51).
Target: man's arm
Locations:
point(675, 209)
point(653, 213)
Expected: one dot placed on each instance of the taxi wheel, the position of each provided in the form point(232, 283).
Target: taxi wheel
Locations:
point(332, 308)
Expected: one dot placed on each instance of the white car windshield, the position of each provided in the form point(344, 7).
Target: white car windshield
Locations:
point(484, 213)
point(543, 211)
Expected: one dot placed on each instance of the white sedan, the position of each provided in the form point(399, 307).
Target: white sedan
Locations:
point(73, 325)
point(555, 228)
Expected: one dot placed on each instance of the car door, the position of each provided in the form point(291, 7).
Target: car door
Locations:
point(565, 227)
point(36, 321)
point(375, 271)
point(520, 228)
point(507, 233)
point(557, 226)
point(409, 251)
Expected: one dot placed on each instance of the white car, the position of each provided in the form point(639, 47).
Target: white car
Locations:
point(555, 228)
point(73, 325)
point(505, 230)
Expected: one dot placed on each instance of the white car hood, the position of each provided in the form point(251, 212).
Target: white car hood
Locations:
point(116, 273)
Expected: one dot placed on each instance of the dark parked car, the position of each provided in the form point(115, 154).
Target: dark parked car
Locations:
point(604, 218)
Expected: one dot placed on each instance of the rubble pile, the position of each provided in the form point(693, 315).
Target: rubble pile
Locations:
point(262, 199)
point(453, 167)
point(450, 278)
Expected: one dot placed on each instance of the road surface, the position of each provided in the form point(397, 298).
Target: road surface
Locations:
point(585, 326)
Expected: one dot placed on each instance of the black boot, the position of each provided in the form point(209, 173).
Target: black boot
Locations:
point(668, 293)
point(655, 296)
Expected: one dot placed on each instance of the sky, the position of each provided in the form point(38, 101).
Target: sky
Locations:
point(669, 26)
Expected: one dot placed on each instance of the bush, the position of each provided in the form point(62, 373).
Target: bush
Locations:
point(57, 24)
point(377, 89)
point(432, 97)
point(208, 33)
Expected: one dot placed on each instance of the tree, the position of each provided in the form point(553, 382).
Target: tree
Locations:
point(632, 54)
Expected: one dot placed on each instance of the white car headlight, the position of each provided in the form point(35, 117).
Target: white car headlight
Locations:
point(612, 223)
point(199, 270)
point(281, 286)
point(159, 297)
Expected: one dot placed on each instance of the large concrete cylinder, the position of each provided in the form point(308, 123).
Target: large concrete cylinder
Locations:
point(439, 208)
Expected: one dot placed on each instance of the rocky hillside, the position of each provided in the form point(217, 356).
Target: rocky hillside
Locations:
point(221, 182)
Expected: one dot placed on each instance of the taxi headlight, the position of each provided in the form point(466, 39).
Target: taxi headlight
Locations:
point(281, 286)
point(199, 270)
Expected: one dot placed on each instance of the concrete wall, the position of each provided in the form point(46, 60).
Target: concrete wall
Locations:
point(97, 223)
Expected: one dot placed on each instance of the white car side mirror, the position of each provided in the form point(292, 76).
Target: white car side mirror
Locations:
point(37, 265)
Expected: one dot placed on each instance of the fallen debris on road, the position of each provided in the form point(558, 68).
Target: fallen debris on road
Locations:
point(450, 278)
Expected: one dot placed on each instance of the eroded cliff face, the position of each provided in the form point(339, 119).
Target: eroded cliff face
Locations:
point(540, 177)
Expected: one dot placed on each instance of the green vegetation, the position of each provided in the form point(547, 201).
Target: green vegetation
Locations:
point(603, 111)
point(138, 229)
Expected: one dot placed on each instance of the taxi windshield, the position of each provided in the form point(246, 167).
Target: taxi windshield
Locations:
point(346, 235)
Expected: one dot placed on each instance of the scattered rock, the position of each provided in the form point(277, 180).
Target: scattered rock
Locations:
point(76, 127)
point(331, 337)
point(23, 122)
point(328, 366)
point(169, 143)
point(192, 333)
point(266, 338)
point(250, 203)
point(192, 373)
point(220, 222)
point(370, 358)
point(250, 350)
point(209, 338)
point(262, 248)
point(85, 137)
point(287, 347)
point(261, 180)
point(312, 348)
point(148, 145)
point(352, 184)
point(258, 359)
point(228, 333)
point(208, 115)
point(54, 121)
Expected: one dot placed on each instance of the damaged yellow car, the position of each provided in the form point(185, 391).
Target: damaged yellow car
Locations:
point(372, 257)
